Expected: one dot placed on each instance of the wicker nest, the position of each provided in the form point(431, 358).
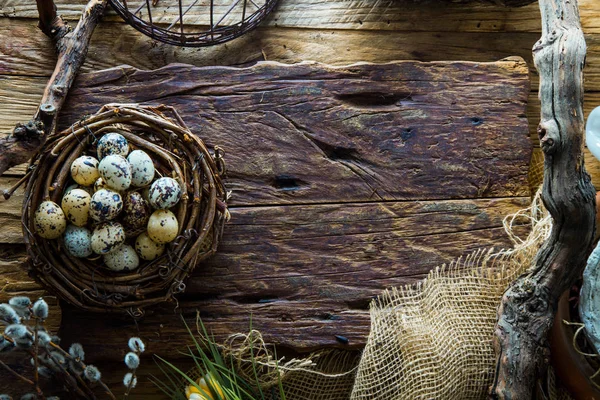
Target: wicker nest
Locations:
point(201, 213)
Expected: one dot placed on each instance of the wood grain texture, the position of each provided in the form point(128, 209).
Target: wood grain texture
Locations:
point(306, 274)
point(347, 14)
point(440, 128)
point(346, 180)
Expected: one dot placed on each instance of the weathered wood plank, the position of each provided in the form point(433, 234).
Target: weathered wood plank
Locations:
point(315, 133)
point(298, 137)
point(308, 273)
point(19, 97)
point(292, 266)
point(348, 14)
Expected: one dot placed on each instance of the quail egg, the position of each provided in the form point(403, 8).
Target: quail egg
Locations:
point(116, 172)
point(147, 248)
point(163, 226)
point(136, 211)
point(107, 237)
point(123, 258)
point(49, 219)
point(112, 143)
point(164, 193)
point(100, 184)
point(76, 206)
point(78, 241)
point(142, 168)
point(77, 186)
point(105, 205)
point(84, 170)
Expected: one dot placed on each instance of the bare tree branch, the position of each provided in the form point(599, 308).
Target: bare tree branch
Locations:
point(528, 306)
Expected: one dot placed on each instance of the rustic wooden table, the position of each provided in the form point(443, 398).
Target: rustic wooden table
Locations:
point(337, 33)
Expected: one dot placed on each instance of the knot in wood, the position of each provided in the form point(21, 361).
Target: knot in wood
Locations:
point(548, 139)
point(33, 129)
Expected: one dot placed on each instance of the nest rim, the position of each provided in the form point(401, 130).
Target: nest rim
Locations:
point(85, 283)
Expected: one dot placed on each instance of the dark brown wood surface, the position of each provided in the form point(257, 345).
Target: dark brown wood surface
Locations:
point(344, 180)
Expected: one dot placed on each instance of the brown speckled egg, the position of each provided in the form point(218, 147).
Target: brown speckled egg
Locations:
point(84, 170)
point(76, 206)
point(107, 237)
point(136, 211)
point(163, 226)
point(50, 221)
point(122, 259)
point(164, 193)
point(147, 248)
point(105, 205)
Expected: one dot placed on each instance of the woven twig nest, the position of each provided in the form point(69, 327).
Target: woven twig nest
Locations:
point(201, 212)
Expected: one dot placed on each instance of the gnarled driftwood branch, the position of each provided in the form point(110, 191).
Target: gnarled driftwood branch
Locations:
point(71, 46)
point(528, 306)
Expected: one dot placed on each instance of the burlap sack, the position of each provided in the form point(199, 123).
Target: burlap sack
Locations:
point(434, 340)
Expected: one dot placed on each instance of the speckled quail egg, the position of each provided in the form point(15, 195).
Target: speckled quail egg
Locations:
point(78, 241)
point(50, 221)
point(76, 206)
point(84, 170)
point(105, 205)
point(78, 186)
point(123, 258)
point(136, 211)
point(163, 226)
point(116, 172)
point(164, 193)
point(100, 184)
point(147, 248)
point(142, 168)
point(112, 143)
point(107, 237)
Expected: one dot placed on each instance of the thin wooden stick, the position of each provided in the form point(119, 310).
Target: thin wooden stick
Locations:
point(16, 374)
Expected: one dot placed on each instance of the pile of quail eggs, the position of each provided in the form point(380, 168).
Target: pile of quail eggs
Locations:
point(111, 201)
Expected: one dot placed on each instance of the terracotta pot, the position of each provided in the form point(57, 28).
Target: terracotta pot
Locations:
point(571, 368)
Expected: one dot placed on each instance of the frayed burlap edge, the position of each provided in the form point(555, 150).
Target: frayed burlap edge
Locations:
point(433, 340)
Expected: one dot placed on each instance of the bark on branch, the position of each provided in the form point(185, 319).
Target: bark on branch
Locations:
point(71, 46)
point(528, 306)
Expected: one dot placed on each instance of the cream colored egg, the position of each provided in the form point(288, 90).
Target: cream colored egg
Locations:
point(105, 205)
point(112, 143)
point(147, 248)
point(163, 226)
point(142, 168)
point(84, 170)
point(78, 241)
point(107, 237)
point(78, 186)
point(123, 258)
point(50, 221)
point(76, 206)
point(116, 172)
point(100, 184)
